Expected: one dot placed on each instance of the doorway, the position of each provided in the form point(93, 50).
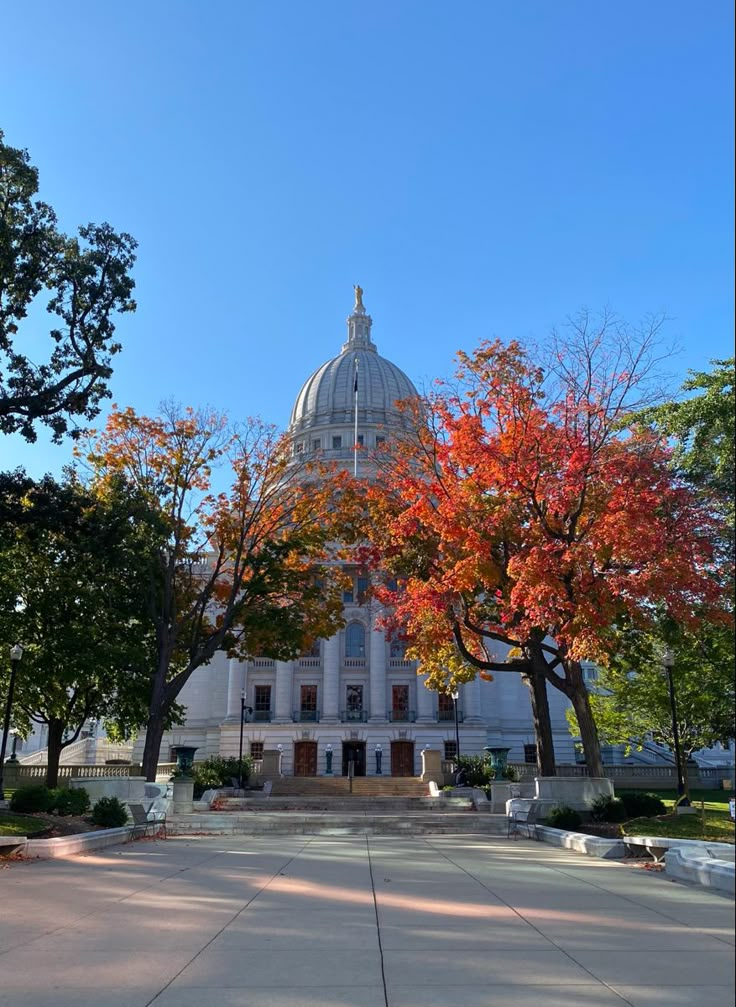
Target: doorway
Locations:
point(305, 758)
point(402, 758)
point(353, 751)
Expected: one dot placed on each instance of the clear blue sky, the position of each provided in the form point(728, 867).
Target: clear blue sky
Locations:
point(480, 168)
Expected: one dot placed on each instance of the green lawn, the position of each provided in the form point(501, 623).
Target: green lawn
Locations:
point(714, 825)
point(19, 825)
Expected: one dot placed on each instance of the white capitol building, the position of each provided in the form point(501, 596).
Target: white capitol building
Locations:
point(355, 691)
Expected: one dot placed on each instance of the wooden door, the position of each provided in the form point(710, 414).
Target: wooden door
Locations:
point(402, 758)
point(305, 758)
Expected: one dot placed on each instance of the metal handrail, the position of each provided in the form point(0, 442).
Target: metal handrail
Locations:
point(358, 716)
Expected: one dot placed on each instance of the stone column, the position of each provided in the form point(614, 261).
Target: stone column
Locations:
point(431, 766)
point(283, 706)
point(425, 701)
point(236, 682)
point(331, 680)
point(377, 656)
point(471, 702)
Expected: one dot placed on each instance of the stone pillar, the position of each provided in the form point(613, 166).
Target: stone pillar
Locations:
point(270, 765)
point(331, 681)
point(236, 682)
point(283, 705)
point(471, 702)
point(432, 766)
point(425, 701)
point(378, 675)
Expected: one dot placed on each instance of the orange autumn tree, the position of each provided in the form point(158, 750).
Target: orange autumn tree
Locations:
point(524, 509)
point(240, 569)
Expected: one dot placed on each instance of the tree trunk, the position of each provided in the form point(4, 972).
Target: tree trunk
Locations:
point(56, 734)
point(152, 747)
point(537, 685)
point(578, 696)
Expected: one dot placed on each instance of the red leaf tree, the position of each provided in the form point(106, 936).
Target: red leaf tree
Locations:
point(526, 508)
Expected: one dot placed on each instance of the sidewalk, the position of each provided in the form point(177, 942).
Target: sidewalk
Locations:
point(300, 921)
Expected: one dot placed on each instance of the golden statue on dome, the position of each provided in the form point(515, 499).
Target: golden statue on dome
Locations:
point(358, 297)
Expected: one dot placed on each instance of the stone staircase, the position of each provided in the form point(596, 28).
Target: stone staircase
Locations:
point(341, 823)
point(362, 786)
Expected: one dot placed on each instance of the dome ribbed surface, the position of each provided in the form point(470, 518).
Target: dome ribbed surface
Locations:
point(327, 396)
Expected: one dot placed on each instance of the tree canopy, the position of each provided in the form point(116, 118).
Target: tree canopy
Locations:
point(87, 280)
point(523, 511)
point(74, 568)
point(240, 569)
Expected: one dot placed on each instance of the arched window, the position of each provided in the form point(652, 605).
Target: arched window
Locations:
point(355, 640)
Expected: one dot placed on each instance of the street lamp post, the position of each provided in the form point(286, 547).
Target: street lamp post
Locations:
point(668, 660)
point(244, 711)
point(16, 653)
point(455, 698)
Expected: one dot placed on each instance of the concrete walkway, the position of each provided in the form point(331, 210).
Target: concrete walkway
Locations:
point(299, 921)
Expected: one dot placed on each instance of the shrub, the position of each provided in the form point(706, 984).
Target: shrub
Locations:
point(641, 804)
point(110, 813)
point(563, 817)
point(26, 800)
point(607, 809)
point(70, 802)
point(478, 772)
point(218, 772)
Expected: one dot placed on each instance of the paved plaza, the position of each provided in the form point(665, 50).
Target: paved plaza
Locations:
point(315, 921)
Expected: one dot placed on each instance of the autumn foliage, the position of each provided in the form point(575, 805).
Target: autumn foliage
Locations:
point(238, 565)
point(524, 510)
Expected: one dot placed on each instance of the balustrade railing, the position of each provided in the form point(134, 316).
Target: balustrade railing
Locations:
point(305, 716)
point(354, 716)
point(401, 716)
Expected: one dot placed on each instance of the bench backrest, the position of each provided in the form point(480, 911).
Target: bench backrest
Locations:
point(140, 816)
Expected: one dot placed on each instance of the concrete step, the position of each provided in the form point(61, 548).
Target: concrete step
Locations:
point(298, 786)
point(298, 823)
point(343, 803)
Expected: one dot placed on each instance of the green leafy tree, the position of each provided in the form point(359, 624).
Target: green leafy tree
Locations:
point(631, 703)
point(87, 282)
point(75, 567)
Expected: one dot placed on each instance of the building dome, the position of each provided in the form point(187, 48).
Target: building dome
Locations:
point(326, 401)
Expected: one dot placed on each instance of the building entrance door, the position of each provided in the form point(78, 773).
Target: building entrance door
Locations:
point(402, 758)
point(353, 751)
point(305, 758)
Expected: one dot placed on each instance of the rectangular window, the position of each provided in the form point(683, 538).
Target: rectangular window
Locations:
point(380, 440)
point(336, 443)
point(354, 697)
point(262, 701)
point(316, 444)
point(445, 707)
point(530, 753)
point(256, 749)
point(348, 596)
point(450, 750)
point(361, 440)
point(400, 700)
point(363, 585)
point(308, 698)
point(299, 447)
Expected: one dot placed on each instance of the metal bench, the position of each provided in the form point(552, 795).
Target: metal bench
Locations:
point(521, 818)
point(142, 823)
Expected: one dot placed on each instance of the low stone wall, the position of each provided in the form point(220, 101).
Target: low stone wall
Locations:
point(66, 846)
point(697, 866)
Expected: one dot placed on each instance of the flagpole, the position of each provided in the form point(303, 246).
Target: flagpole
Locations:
point(355, 440)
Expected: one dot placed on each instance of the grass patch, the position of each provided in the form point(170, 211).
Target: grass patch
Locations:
point(715, 800)
point(715, 827)
point(20, 825)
